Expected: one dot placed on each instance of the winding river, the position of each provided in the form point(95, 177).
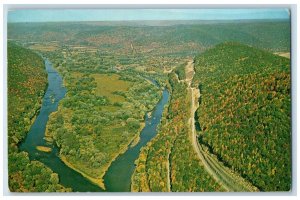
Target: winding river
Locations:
point(118, 176)
point(35, 137)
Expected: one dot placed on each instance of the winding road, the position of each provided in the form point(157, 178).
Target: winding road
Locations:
point(230, 180)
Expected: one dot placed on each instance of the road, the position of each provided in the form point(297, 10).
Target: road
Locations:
point(230, 180)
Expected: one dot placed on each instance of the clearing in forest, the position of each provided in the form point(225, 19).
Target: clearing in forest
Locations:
point(108, 84)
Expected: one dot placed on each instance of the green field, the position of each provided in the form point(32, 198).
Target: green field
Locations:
point(108, 85)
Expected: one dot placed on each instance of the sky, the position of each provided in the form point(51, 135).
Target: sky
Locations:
point(54, 15)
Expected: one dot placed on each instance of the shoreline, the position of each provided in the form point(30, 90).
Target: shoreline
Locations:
point(136, 139)
point(124, 149)
point(36, 111)
point(100, 181)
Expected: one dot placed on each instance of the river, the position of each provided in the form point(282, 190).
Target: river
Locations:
point(118, 176)
point(35, 137)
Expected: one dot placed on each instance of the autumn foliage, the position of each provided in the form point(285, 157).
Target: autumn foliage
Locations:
point(245, 112)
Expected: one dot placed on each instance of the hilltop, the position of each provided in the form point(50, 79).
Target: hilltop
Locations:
point(245, 112)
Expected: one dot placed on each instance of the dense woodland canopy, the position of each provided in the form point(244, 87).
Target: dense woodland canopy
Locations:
point(114, 75)
point(27, 81)
point(102, 113)
point(168, 162)
point(174, 39)
point(245, 112)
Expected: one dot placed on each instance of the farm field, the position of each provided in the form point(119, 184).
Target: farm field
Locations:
point(169, 106)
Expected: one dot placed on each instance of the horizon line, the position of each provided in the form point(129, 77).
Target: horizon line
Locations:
point(60, 15)
point(154, 20)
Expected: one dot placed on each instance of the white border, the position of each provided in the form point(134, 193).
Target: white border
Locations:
point(160, 4)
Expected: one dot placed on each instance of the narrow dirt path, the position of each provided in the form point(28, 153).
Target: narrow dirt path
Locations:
point(189, 73)
point(230, 180)
point(169, 175)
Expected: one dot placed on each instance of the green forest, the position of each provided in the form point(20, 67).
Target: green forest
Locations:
point(114, 76)
point(168, 163)
point(27, 81)
point(101, 115)
point(169, 40)
point(245, 112)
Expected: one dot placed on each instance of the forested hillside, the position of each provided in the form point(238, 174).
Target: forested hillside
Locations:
point(168, 162)
point(245, 112)
point(27, 81)
point(177, 39)
point(113, 75)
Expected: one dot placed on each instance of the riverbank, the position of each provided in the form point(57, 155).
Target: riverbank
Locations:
point(140, 162)
point(38, 109)
point(27, 86)
point(96, 181)
point(100, 181)
point(119, 176)
point(136, 138)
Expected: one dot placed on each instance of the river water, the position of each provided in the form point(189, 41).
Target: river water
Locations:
point(118, 176)
point(35, 137)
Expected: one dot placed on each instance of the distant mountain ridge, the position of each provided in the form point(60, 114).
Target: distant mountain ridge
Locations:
point(156, 22)
point(169, 38)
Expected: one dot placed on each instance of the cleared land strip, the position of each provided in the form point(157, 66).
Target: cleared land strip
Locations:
point(169, 174)
point(230, 180)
